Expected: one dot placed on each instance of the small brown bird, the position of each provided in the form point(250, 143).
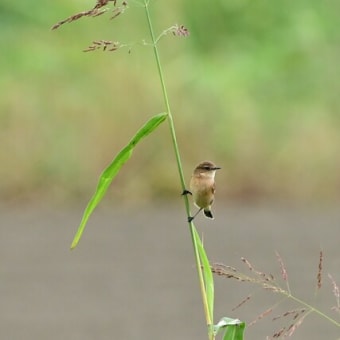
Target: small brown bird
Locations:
point(202, 188)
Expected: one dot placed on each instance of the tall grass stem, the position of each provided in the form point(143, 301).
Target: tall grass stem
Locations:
point(180, 170)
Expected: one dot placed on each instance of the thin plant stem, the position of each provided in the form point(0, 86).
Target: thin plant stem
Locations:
point(312, 309)
point(166, 101)
point(180, 169)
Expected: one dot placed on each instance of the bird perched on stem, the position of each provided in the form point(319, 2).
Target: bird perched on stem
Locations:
point(202, 188)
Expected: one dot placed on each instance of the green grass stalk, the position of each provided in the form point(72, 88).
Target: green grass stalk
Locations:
point(312, 309)
point(180, 171)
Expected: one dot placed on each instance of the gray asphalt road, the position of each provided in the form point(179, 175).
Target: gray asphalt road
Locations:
point(133, 274)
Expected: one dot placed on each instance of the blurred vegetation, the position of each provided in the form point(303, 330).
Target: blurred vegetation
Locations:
point(255, 88)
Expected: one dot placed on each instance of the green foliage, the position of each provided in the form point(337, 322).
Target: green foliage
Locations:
point(207, 275)
point(233, 328)
point(266, 71)
point(111, 171)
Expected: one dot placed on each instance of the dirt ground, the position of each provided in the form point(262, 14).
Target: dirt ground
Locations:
point(133, 275)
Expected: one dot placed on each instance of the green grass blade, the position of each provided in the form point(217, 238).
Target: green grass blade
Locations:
point(207, 275)
point(234, 328)
point(111, 171)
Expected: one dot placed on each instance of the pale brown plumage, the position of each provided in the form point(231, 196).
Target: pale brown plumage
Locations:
point(202, 187)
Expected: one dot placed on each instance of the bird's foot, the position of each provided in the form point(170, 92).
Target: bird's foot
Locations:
point(190, 219)
point(186, 192)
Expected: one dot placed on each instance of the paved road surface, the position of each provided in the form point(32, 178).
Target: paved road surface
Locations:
point(133, 274)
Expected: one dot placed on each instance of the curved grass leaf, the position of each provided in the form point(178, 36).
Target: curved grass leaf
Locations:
point(111, 171)
point(233, 328)
point(207, 275)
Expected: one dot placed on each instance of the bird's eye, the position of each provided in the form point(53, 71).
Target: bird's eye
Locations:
point(206, 168)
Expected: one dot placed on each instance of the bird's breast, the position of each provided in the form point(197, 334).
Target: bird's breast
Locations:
point(202, 190)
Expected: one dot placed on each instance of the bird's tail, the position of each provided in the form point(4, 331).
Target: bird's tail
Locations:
point(208, 213)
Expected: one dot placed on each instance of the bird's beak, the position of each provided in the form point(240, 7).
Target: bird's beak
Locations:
point(217, 168)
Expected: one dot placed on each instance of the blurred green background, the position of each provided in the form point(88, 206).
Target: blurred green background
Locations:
point(255, 88)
